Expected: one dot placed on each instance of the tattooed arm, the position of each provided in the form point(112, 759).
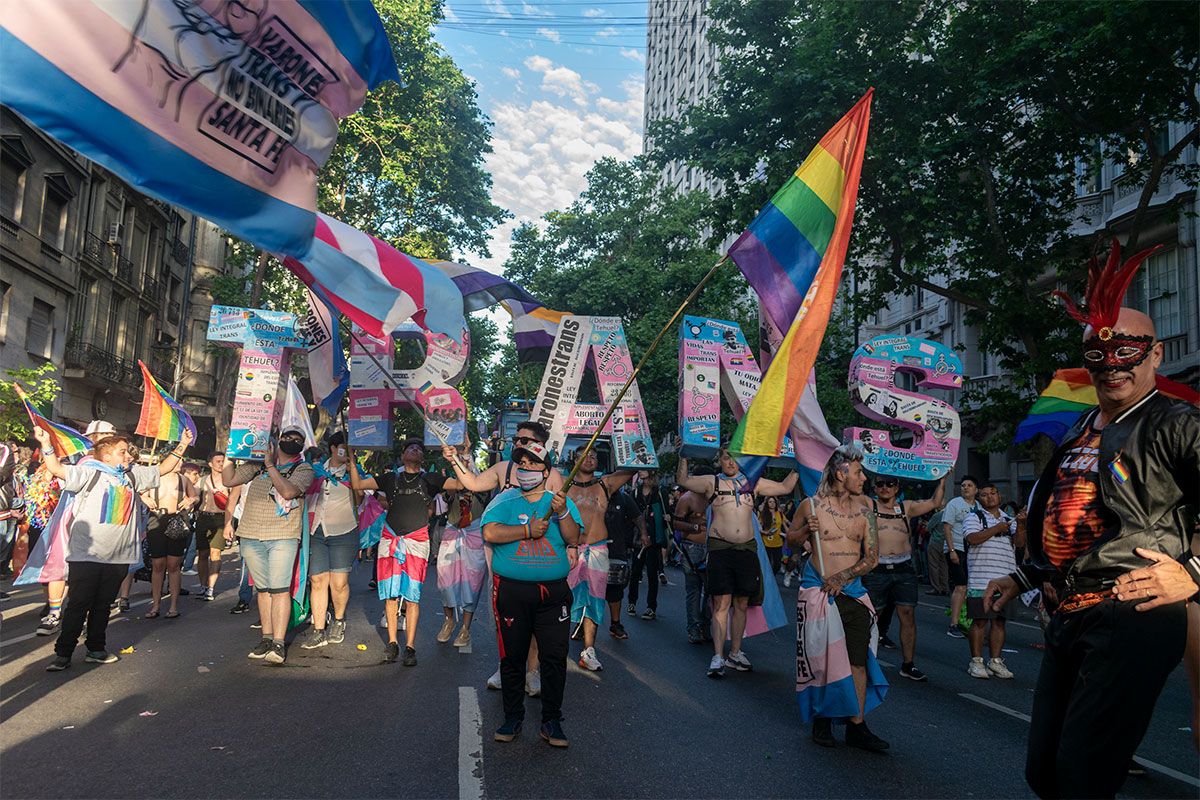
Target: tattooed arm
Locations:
point(870, 546)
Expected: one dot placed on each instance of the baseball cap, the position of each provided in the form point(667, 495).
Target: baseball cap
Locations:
point(99, 426)
point(537, 452)
point(292, 429)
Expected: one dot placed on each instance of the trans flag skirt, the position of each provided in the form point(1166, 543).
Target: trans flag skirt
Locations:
point(401, 563)
point(461, 567)
point(824, 685)
point(588, 580)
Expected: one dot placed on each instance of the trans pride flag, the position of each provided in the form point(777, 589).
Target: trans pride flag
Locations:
point(226, 108)
point(461, 566)
point(792, 254)
point(1071, 393)
point(161, 417)
point(66, 441)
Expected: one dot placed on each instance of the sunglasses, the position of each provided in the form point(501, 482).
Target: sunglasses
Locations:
point(887, 482)
point(520, 440)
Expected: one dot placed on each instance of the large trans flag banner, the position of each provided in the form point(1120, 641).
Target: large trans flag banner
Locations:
point(227, 108)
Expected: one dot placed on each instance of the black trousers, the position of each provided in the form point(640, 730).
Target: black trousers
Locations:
point(524, 609)
point(91, 589)
point(1101, 674)
point(650, 560)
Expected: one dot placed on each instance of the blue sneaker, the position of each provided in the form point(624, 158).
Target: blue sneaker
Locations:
point(509, 730)
point(552, 732)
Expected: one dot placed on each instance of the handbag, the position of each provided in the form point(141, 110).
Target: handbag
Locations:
point(173, 526)
point(618, 572)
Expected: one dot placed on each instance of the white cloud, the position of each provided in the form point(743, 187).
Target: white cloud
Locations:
point(533, 11)
point(550, 34)
point(509, 72)
point(449, 14)
point(592, 13)
point(633, 55)
point(497, 7)
point(543, 149)
point(607, 32)
point(561, 81)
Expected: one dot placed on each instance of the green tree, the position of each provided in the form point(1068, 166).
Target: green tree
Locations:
point(40, 385)
point(982, 112)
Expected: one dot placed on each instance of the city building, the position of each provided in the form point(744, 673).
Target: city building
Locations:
point(95, 276)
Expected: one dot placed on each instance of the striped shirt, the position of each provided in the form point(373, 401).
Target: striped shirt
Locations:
point(995, 557)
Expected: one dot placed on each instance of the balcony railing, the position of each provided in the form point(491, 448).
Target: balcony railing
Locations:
point(97, 252)
point(152, 291)
point(1175, 348)
point(102, 364)
point(180, 252)
point(163, 367)
point(125, 272)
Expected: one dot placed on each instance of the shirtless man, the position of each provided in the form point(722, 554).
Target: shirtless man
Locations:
point(893, 582)
point(591, 494)
point(845, 548)
point(690, 530)
point(173, 495)
point(733, 570)
point(502, 476)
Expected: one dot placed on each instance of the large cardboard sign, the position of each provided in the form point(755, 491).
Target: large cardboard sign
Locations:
point(373, 397)
point(934, 423)
point(265, 337)
point(715, 361)
point(600, 342)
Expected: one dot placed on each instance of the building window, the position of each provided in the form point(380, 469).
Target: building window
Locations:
point(14, 161)
point(1155, 291)
point(39, 330)
point(5, 298)
point(55, 203)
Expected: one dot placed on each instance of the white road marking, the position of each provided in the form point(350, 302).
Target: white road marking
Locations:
point(1190, 780)
point(12, 611)
point(574, 668)
point(470, 745)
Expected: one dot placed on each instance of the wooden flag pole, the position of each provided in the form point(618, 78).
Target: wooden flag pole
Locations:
point(633, 375)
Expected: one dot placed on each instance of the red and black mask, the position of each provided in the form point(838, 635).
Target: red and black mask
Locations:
point(1119, 351)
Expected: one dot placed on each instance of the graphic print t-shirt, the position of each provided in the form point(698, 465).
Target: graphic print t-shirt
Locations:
point(542, 559)
point(1076, 519)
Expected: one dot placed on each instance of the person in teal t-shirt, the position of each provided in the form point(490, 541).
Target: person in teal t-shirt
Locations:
point(529, 530)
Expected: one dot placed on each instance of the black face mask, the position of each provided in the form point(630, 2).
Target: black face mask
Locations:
point(291, 447)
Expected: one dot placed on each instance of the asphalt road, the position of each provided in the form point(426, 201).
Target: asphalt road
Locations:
point(188, 715)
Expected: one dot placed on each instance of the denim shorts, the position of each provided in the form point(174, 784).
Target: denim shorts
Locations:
point(892, 584)
point(271, 563)
point(331, 553)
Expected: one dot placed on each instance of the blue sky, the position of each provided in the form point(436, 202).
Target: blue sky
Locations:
point(562, 82)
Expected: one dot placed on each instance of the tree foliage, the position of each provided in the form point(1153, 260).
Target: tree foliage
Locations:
point(40, 385)
point(981, 113)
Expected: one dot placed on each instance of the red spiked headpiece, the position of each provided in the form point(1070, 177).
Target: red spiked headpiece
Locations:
point(1105, 290)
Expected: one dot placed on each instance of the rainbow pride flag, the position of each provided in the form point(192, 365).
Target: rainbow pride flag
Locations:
point(1071, 393)
point(161, 417)
point(65, 441)
point(792, 254)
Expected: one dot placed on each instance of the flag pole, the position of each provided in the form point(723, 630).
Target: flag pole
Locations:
point(387, 375)
point(580, 455)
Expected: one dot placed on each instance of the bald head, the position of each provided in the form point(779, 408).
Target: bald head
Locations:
point(1129, 321)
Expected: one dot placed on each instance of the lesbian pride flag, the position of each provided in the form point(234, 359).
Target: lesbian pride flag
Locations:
point(65, 441)
point(792, 254)
point(161, 417)
point(228, 109)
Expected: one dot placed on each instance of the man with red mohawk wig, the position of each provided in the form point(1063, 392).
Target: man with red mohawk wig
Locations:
point(1108, 535)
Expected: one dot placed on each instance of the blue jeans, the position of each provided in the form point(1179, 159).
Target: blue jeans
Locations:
point(189, 558)
point(245, 590)
point(695, 601)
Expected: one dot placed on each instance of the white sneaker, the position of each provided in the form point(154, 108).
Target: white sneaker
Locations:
point(48, 624)
point(787, 580)
point(998, 668)
point(738, 661)
point(189, 572)
point(494, 681)
point(533, 683)
point(976, 669)
point(588, 660)
point(716, 667)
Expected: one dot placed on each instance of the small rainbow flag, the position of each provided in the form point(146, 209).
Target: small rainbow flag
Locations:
point(66, 441)
point(1071, 393)
point(161, 417)
point(792, 254)
point(117, 505)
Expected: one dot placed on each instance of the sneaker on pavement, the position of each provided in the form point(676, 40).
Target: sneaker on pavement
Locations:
point(256, 625)
point(240, 608)
point(533, 683)
point(101, 657)
point(822, 732)
point(182, 592)
point(632, 610)
point(383, 620)
point(976, 669)
point(588, 660)
point(787, 581)
point(374, 584)
point(617, 631)
point(716, 667)
point(444, 634)
point(738, 661)
point(277, 654)
point(886, 643)
point(695, 637)
point(208, 595)
point(464, 637)
point(649, 613)
point(58, 664)
point(391, 653)
point(911, 672)
point(510, 730)
point(662, 578)
point(552, 733)
point(997, 667)
point(336, 632)
point(494, 681)
point(315, 639)
point(189, 572)
point(860, 736)
point(410, 657)
point(954, 633)
point(261, 650)
point(48, 625)
point(123, 603)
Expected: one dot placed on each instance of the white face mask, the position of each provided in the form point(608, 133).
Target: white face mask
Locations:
point(341, 452)
point(528, 479)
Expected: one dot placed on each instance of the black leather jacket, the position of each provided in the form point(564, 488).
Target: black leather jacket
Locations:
point(1158, 441)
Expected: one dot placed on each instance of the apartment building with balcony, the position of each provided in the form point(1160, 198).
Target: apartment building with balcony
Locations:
point(94, 276)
